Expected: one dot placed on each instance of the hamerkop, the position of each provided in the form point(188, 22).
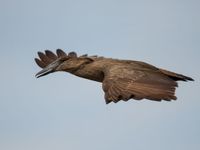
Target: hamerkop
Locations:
point(121, 79)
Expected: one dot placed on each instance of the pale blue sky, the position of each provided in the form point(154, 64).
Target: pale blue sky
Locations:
point(61, 111)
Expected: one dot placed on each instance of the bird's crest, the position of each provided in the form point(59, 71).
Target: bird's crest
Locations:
point(50, 61)
point(49, 57)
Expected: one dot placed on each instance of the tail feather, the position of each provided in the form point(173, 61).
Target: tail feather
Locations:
point(176, 76)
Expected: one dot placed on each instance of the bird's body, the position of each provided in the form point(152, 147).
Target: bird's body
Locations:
point(122, 79)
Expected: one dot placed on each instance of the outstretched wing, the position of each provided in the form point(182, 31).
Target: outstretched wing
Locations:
point(122, 82)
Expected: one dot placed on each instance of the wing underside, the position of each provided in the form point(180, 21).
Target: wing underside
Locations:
point(123, 83)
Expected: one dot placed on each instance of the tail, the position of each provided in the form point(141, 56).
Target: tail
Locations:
point(176, 76)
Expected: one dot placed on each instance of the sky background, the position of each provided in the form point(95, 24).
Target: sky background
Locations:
point(61, 111)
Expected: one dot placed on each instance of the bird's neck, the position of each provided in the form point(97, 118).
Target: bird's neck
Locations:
point(91, 72)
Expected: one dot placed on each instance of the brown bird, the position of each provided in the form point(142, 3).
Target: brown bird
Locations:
point(121, 79)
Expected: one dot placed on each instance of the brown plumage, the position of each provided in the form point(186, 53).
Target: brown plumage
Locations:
point(121, 79)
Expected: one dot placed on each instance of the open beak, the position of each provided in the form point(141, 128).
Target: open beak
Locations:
point(48, 69)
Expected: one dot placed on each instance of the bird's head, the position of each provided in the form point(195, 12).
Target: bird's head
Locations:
point(60, 62)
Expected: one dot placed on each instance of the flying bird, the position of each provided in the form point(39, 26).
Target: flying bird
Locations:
point(121, 79)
